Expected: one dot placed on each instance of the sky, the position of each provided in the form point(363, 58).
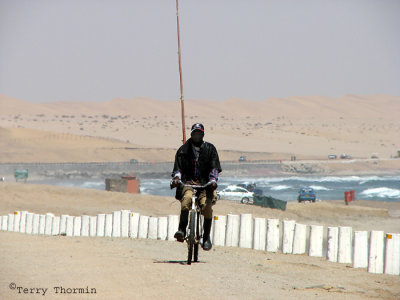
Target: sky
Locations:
point(97, 50)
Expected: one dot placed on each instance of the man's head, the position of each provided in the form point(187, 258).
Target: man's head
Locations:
point(197, 134)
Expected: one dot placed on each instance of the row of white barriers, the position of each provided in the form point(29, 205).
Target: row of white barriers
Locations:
point(377, 251)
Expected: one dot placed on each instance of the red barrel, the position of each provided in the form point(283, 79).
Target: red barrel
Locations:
point(347, 197)
point(352, 195)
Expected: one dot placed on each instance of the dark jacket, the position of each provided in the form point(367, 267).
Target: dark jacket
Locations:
point(208, 160)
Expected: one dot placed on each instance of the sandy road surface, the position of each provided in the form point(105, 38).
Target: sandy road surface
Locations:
point(150, 269)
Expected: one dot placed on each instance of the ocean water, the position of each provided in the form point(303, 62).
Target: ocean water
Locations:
point(376, 188)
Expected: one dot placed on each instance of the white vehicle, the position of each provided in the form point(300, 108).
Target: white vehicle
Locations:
point(236, 193)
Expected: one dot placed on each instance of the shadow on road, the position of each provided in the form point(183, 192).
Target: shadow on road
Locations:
point(181, 262)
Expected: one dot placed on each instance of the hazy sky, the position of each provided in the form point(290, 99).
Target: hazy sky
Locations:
point(96, 50)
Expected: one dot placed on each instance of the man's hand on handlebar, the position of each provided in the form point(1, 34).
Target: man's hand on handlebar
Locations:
point(174, 182)
point(213, 185)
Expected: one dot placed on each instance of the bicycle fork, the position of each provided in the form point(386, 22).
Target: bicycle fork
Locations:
point(196, 213)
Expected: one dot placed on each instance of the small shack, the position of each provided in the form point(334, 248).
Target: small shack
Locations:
point(125, 184)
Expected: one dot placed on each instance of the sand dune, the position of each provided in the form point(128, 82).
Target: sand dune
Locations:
point(311, 127)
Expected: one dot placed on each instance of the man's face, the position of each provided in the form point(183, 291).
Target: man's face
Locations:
point(197, 136)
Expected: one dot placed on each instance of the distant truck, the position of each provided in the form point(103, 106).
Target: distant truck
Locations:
point(306, 194)
point(21, 174)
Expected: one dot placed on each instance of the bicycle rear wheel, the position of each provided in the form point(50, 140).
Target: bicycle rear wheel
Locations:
point(192, 221)
point(196, 245)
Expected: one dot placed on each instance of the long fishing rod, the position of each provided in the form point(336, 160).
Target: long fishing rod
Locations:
point(180, 75)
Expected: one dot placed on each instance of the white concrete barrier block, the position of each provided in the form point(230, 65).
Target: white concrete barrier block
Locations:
point(143, 227)
point(55, 228)
point(77, 226)
point(376, 252)
point(4, 222)
point(246, 231)
point(48, 223)
point(219, 230)
point(125, 216)
point(162, 228)
point(10, 222)
point(63, 224)
point(134, 225)
point(84, 225)
point(272, 235)
point(392, 254)
point(259, 233)
point(100, 224)
point(35, 224)
point(232, 231)
point(22, 222)
point(316, 240)
point(288, 235)
point(345, 243)
point(299, 239)
point(29, 223)
point(333, 244)
point(173, 223)
point(17, 220)
point(93, 225)
point(153, 226)
point(108, 224)
point(69, 226)
point(360, 249)
point(42, 224)
point(116, 228)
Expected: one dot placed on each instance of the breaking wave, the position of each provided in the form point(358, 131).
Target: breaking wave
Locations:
point(280, 187)
point(382, 192)
point(319, 188)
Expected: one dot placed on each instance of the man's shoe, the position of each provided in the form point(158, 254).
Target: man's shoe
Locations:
point(206, 235)
point(183, 220)
point(207, 245)
point(180, 236)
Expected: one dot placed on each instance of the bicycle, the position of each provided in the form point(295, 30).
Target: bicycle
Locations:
point(195, 229)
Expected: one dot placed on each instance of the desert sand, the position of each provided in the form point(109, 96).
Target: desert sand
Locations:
point(123, 268)
point(311, 128)
point(308, 127)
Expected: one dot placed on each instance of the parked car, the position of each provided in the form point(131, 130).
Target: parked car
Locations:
point(133, 161)
point(236, 193)
point(332, 156)
point(306, 194)
point(242, 158)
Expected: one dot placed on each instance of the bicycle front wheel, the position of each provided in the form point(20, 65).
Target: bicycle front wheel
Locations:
point(192, 222)
point(197, 236)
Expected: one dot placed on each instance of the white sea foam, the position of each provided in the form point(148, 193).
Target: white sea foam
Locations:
point(382, 192)
point(319, 188)
point(333, 179)
point(280, 187)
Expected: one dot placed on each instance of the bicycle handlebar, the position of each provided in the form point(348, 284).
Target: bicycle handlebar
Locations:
point(196, 186)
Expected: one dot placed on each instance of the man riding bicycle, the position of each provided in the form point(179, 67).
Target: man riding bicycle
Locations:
point(196, 163)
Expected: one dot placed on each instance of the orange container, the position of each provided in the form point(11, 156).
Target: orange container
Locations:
point(132, 185)
point(347, 198)
point(352, 195)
